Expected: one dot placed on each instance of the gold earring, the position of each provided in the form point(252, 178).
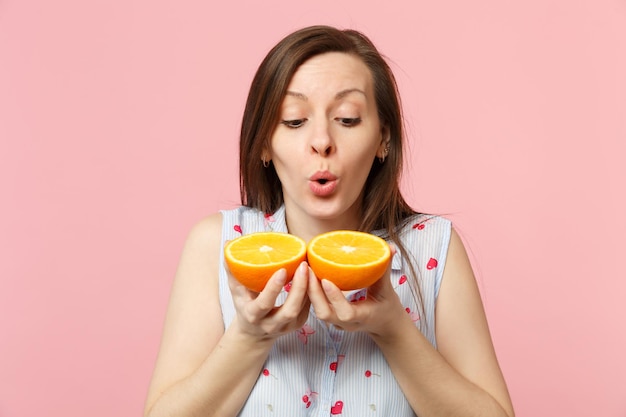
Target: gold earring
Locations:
point(385, 153)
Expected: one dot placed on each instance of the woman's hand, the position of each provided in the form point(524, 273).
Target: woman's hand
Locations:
point(373, 315)
point(257, 314)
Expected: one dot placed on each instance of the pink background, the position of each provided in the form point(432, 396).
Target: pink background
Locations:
point(118, 131)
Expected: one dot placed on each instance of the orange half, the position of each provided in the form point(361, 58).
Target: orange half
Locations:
point(349, 259)
point(252, 259)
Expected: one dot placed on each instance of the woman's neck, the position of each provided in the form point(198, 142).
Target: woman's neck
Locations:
point(307, 227)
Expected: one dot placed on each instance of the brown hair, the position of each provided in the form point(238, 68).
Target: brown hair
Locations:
point(384, 208)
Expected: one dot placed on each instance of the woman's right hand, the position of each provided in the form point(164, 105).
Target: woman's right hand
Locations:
point(257, 315)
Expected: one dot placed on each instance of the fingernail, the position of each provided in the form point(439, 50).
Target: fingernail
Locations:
point(281, 277)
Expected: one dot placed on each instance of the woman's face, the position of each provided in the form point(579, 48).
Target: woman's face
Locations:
point(326, 140)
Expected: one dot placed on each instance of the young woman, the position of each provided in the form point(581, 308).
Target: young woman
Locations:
point(320, 150)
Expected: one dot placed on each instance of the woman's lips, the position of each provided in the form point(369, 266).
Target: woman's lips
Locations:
point(322, 190)
point(322, 183)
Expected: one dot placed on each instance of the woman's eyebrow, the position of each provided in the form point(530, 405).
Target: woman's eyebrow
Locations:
point(297, 95)
point(347, 91)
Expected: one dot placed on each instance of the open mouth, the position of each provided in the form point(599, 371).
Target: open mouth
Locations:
point(323, 183)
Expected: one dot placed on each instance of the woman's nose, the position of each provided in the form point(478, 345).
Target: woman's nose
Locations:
point(322, 142)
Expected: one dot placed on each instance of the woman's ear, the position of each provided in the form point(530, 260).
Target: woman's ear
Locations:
point(265, 158)
point(385, 140)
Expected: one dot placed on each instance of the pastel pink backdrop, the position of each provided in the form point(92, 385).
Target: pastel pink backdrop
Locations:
point(118, 131)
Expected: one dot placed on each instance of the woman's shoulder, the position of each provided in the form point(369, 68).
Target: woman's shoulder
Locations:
point(426, 235)
point(209, 228)
point(215, 219)
point(243, 220)
point(427, 224)
point(207, 231)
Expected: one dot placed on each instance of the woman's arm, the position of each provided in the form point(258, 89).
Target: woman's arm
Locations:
point(462, 377)
point(202, 369)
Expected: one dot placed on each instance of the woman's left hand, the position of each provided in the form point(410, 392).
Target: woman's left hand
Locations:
point(374, 315)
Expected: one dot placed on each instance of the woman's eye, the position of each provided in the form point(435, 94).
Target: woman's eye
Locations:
point(349, 121)
point(294, 124)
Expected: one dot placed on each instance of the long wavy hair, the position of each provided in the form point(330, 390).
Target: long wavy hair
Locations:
point(384, 207)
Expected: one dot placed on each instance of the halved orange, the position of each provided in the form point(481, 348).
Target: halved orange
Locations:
point(253, 258)
point(349, 259)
